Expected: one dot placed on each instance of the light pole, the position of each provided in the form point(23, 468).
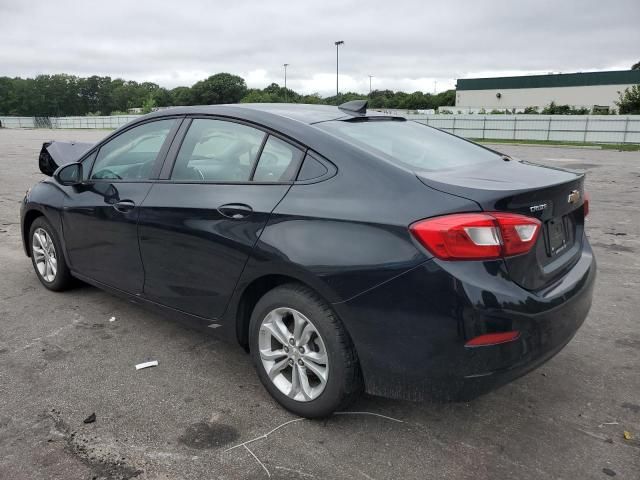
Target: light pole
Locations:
point(286, 99)
point(370, 77)
point(338, 43)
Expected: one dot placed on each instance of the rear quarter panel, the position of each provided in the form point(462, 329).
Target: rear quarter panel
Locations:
point(349, 233)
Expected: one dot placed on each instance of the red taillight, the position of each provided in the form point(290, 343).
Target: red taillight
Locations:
point(585, 205)
point(477, 236)
point(492, 339)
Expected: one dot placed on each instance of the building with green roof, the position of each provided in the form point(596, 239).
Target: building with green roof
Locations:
point(588, 89)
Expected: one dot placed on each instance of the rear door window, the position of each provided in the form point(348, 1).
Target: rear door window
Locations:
point(278, 162)
point(217, 151)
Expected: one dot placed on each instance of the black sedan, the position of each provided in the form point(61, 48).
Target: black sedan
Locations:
point(346, 250)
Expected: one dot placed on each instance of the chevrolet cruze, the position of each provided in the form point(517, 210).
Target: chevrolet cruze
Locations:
point(346, 250)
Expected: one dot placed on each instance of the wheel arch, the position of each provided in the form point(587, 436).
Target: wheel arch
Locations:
point(252, 293)
point(29, 217)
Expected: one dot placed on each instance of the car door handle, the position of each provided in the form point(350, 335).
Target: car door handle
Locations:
point(235, 211)
point(124, 206)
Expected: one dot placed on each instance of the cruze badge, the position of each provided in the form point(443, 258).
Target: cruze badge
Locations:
point(538, 208)
point(574, 196)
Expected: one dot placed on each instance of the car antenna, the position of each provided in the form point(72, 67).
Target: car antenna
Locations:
point(355, 106)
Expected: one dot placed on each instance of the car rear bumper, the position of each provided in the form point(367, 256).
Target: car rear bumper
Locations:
point(410, 332)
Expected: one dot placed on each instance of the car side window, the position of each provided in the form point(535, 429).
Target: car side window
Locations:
point(279, 162)
point(87, 163)
point(217, 151)
point(132, 154)
point(311, 169)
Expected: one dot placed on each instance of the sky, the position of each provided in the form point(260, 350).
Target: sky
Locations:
point(406, 45)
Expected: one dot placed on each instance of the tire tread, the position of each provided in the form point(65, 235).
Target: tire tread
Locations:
point(63, 280)
point(352, 384)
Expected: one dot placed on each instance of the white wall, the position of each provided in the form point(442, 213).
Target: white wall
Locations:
point(567, 128)
point(106, 122)
point(602, 95)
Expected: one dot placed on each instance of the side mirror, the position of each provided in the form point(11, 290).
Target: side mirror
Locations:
point(69, 175)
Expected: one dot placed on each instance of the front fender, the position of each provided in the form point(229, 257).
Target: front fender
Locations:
point(43, 199)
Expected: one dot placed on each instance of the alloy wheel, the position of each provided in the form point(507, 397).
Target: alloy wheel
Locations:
point(44, 255)
point(293, 354)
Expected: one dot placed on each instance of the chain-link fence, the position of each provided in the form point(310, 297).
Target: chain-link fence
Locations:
point(566, 128)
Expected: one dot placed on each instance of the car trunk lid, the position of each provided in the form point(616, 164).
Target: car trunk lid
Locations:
point(554, 196)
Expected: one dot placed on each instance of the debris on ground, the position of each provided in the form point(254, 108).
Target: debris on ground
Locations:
point(609, 472)
point(608, 423)
point(264, 436)
point(153, 363)
point(112, 319)
point(631, 406)
point(627, 435)
point(91, 418)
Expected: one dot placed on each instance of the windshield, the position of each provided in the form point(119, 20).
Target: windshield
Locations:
point(411, 144)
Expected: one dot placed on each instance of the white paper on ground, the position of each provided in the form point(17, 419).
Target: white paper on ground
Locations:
point(153, 363)
point(112, 319)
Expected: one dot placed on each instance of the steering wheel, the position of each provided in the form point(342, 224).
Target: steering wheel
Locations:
point(199, 172)
point(106, 174)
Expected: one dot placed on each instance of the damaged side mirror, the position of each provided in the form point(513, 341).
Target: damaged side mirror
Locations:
point(54, 154)
point(69, 175)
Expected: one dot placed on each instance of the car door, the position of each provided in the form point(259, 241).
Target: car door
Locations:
point(100, 216)
point(199, 223)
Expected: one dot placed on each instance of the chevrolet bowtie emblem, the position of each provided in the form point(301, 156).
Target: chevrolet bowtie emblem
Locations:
point(574, 196)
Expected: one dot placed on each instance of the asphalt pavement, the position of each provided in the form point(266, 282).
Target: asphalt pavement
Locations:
point(62, 359)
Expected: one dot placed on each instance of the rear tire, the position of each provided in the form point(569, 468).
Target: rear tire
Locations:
point(47, 256)
point(311, 345)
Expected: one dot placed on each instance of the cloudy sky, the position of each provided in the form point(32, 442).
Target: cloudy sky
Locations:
point(405, 44)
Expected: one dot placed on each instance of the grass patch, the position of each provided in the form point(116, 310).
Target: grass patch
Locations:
point(625, 147)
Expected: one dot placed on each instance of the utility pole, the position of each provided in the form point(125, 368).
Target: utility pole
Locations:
point(286, 96)
point(370, 77)
point(338, 43)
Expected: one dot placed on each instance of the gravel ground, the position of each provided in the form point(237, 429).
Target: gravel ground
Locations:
point(61, 360)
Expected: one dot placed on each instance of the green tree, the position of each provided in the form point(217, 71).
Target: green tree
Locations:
point(256, 95)
point(95, 94)
point(313, 98)
point(380, 98)
point(219, 88)
point(149, 104)
point(181, 96)
point(6, 93)
point(635, 66)
point(162, 97)
point(446, 98)
point(554, 109)
point(62, 94)
point(629, 102)
point(122, 94)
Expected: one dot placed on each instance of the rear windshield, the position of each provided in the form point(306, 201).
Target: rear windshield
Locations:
point(410, 144)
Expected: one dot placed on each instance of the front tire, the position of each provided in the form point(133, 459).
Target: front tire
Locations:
point(302, 353)
point(47, 256)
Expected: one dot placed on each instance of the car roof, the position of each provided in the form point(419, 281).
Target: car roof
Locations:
point(305, 113)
